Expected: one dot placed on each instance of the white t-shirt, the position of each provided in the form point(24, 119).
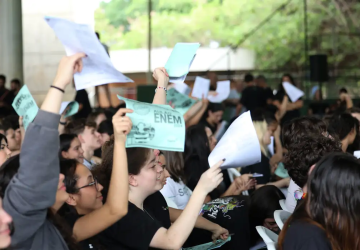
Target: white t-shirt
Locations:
point(179, 193)
point(291, 202)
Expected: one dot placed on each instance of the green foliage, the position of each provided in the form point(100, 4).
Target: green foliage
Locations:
point(278, 44)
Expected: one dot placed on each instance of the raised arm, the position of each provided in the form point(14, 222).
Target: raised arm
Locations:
point(193, 111)
point(197, 117)
point(176, 235)
point(32, 191)
point(202, 223)
point(116, 205)
point(162, 77)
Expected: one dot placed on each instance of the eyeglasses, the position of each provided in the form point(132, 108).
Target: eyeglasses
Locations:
point(95, 182)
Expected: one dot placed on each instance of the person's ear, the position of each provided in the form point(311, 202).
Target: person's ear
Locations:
point(64, 154)
point(81, 139)
point(71, 200)
point(311, 169)
point(132, 180)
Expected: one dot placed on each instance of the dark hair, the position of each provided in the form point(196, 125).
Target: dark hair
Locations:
point(343, 91)
point(3, 77)
point(261, 77)
point(306, 141)
point(137, 157)
point(65, 143)
point(97, 35)
point(7, 171)
point(93, 115)
point(213, 107)
point(293, 131)
point(11, 121)
point(78, 126)
point(106, 127)
point(341, 125)
point(16, 81)
point(196, 154)
point(3, 137)
point(332, 201)
point(281, 87)
point(68, 169)
point(263, 203)
point(175, 165)
point(353, 110)
point(248, 78)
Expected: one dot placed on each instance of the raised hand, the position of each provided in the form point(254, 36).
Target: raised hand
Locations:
point(122, 124)
point(68, 66)
point(211, 178)
point(161, 76)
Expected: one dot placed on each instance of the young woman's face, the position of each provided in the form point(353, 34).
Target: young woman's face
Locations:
point(211, 138)
point(104, 138)
point(286, 79)
point(12, 143)
point(148, 179)
point(164, 174)
point(216, 117)
point(89, 197)
point(5, 152)
point(5, 221)
point(75, 151)
point(270, 224)
point(61, 195)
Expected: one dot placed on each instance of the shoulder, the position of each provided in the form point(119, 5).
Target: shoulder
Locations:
point(303, 235)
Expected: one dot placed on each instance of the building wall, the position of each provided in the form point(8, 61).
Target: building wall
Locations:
point(42, 51)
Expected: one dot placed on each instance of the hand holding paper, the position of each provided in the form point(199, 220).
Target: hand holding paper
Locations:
point(293, 92)
point(155, 126)
point(201, 87)
point(223, 91)
point(180, 60)
point(25, 106)
point(239, 145)
point(97, 66)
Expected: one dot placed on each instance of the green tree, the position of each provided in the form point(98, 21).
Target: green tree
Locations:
point(278, 44)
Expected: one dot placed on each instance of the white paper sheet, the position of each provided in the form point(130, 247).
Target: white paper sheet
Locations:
point(271, 146)
point(293, 92)
point(239, 145)
point(357, 154)
point(201, 87)
point(97, 66)
point(223, 90)
point(221, 130)
point(182, 88)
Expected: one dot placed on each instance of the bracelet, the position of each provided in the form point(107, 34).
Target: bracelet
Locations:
point(161, 88)
point(62, 123)
point(52, 86)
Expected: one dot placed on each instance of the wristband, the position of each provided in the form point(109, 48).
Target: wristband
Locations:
point(161, 88)
point(61, 90)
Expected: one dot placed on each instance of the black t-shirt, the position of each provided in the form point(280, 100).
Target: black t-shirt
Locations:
point(253, 97)
point(134, 231)
point(85, 244)
point(268, 93)
point(289, 115)
point(156, 205)
point(262, 167)
point(305, 236)
point(82, 98)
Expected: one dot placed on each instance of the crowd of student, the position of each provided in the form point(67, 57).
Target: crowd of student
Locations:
point(72, 183)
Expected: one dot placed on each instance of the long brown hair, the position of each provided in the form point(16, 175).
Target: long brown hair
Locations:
point(136, 157)
point(332, 201)
point(175, 165)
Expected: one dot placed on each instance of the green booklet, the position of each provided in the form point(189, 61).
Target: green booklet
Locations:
point(155, 126)
point(210, 245)
point(25, 106)
point(181, 103)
